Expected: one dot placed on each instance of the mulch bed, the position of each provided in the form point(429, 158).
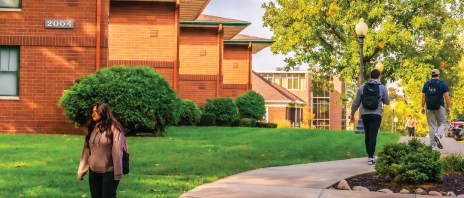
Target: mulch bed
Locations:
point(452, 181)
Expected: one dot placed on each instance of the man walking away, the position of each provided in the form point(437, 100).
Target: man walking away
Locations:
point(410, 125)
point(369, 100)
point(433, 93)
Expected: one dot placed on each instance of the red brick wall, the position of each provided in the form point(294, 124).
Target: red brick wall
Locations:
point(197, 88)
point(335, 112)
point(233, 90)
point(50, 61)
point(31, 19)
point(142, 31)
point(235, 64)
point(277, 113)
point(44, 73)
point(199, 51)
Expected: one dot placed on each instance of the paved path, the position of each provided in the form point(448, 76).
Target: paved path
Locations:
point(303, 180)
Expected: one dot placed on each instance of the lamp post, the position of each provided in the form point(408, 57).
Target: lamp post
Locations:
point(393, 115)
point(361, 30)
point(395, 120)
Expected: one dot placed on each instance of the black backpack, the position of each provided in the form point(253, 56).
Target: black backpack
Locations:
point(370, 97)
point(433, 95)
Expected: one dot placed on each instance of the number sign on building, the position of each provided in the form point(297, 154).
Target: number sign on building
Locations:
point(59, 24)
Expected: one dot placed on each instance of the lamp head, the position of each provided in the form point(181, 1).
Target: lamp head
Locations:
point(379, 66)
point(361, 28)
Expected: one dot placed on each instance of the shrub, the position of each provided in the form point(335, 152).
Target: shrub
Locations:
point(411, 162)
point(224, 109)
point(453, 162)
point(265, 125)
point(251, 105)
point(252, 122)
point(235, 123)
point(283, 124)
point(207, 119)
point(190, 113)
point(245, 122)
point(140, 98)
point(271, 125)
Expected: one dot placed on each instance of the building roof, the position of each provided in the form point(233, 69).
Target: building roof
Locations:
point(211, 18)
point(257, 43)
point(231, 26)
point(188, 9)
point(272, 91)
point(239, 37)
point(191, 9)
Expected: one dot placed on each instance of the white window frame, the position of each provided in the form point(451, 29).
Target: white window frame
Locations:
point(16, 95)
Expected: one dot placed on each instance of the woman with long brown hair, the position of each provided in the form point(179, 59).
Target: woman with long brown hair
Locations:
point(102, 152)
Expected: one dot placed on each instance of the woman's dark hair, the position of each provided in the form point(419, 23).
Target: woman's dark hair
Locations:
point(107, 120)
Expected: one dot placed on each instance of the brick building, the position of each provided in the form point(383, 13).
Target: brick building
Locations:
point(288, 92)
point(44, 48)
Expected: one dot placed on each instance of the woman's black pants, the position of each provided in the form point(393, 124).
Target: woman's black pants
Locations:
point(102, 185)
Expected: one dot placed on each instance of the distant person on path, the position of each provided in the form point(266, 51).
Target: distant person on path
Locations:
point(369, 100)
point(410, 125)
point(102, 152)
point(433, 93)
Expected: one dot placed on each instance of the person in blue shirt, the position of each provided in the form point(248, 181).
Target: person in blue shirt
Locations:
point(436, 115)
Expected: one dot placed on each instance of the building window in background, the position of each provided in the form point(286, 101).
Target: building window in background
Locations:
point(321, 109)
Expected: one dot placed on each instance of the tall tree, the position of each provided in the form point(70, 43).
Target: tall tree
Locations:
point(410, 37)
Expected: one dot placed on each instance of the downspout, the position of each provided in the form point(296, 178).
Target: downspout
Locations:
point(220, 30)
point(249, 65)
point(176, 61)
point(98, 37)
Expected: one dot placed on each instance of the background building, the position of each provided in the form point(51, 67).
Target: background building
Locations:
point(44, 48)
point(328, 113)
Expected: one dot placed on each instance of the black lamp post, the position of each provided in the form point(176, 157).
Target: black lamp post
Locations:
point(361, 30)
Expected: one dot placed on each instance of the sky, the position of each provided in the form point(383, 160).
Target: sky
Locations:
point(251, 11)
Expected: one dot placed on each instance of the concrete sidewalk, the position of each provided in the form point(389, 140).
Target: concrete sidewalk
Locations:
point(303, 180)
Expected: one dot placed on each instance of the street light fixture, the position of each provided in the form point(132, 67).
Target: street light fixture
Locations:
point(361, 30)
point(393, 115)
point(379, 66)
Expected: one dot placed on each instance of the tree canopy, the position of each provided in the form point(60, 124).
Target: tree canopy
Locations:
point(410, 37)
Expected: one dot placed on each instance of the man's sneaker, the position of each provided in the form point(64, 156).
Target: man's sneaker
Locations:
point(437, 140)
point(371, 161)
point(434, 148)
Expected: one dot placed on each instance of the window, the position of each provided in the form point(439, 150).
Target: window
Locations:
point(290, 83)
point(287, 81)
point(10, 3)
point(321, 109)
point(9, 71)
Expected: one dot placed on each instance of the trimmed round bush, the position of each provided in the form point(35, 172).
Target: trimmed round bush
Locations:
point(141, 99)
point(190, 113)
point(411, 162)
point(224, 109)
point(207, 119)
point(251, 105)
point(245, 122)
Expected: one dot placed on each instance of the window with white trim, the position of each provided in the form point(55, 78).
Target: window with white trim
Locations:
point(10, 3)
point(290, 81)
point(9, 71)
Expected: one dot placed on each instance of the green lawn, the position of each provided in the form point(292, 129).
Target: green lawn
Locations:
point(46, 165)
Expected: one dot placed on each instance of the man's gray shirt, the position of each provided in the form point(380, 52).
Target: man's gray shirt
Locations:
point(357, 101)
